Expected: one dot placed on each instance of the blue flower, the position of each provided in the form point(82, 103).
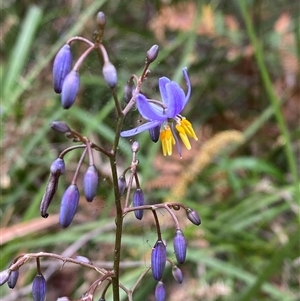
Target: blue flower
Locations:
point(166, 114)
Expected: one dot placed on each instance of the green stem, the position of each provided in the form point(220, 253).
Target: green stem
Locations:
point(258, 52)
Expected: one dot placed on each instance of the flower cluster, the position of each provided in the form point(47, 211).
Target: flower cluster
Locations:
point(164, 123)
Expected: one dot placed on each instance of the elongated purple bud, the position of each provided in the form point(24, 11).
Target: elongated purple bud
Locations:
point(68, 206)
point(158, 260)
point(61, 67)
point(49, 194)
point(138, 200)
point(177, 274)
point(90, 183)
point(13, 278)
point(57, 167)
point(160, 292)
point(179, 243)
point(122, 184)
point(110, 74)
point(101, 19)
point(154, 133)
point(152, 53)
point(193, 216)
point(70, 88)
point(4, 276)
point(39, 288)
point(135, 147)
point(60, 127)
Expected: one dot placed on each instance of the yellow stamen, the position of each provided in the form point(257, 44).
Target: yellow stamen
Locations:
point(185, 130)
point(167, 140)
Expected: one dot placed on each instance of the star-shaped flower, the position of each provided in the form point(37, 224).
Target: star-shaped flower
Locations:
point(166, 115)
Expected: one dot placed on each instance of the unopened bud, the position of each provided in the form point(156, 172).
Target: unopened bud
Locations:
point(101, 19)
point(60, 127)
point(138, 200)
point(177, 274)
point(68, 206)
point(135, 147)
point(39, 288)
point(13, 278)
point(90, 183)
point(83, 259)
point(110, 74)
point(160, 292)
point(158, 260)
point(57, 167)
point(70, 88)
point(4, 276)
point(61, 67)
point(193, 216)
point(152, 53)
point(179, 243)
point(154, 133)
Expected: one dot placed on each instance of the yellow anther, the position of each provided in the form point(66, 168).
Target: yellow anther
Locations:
point(188, 128)
point(167, 140)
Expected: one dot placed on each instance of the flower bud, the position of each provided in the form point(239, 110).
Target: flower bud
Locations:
point(158, 260)
point(49, 194)
point(179, 243)
point(60, 127)
point(135, 147)
point(57, 167)
point(152, 53)
point(90, 183)
point(138, 200)
point(193, 216)
point(69, 89)
point(63, 299)
point(61, 67)
point(177, 274)
point(128, 90)
point(160, 292)
point(83, 259)
point(13, 278)
point(4, 276)
point(110, 74)
point(39, 288)
point(101, 19)
point(122, 184)
point(68, 206)
point(154, 133)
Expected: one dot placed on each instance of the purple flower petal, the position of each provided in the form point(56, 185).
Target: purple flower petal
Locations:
point(176, 99)
point(162, 88)
point(141, 128)
point(149, 110)
point(188, 83)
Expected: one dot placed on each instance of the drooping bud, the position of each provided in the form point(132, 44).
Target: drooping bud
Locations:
point(138, 200)
point(135, 147)
point(193, 216)
point(152, 53)
point(128, 90)
point(57, 167)
point(110, 74)
point(63, 299)
point(13, 278)
point(90, 183)
point(49, 194)
point(61, 67)
point(158, 260)
point(154, 133)
point(69, 89)
point(83, 259)
point(4, 276)
point(160, 292)
point(179, 243)
point(39, 288)
point(122, 184)
point(101, 19)
point(177, 274)
point(68, 206)
point(60, 127)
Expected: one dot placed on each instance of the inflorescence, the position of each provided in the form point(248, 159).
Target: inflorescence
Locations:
point(164, 123)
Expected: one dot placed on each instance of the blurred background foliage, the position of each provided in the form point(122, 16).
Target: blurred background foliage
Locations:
point(241, 176)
